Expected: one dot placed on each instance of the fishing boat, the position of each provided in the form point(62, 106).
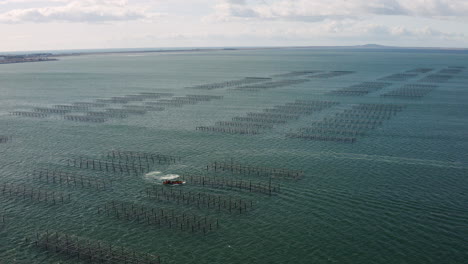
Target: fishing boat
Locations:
point(171, 183)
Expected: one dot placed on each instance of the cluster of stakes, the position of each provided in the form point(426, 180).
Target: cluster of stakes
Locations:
point(344, 126)
point(71, 179)
point(348, 124)
point(365, 88)
point(259, 171)
point(331, 74)
point(417, 91)
point(260, 83)
point(270, 85)
point(420, 70)
point(95, 111)
point(130, 162)
point(199, 199)
point(437, 78)
point(158, 217)
point(100, 112)
point(179, 101)
point(128, 168)
point(5, 139)
point(33, 194)
point(411, 91)
point(295, 74)
point(443, 75)
point(137, 157)
point(89, 251)
point(451, 71)
point(123, 162)
point(2, 219)
point(361, 88)
point(232, 83)
point(232, 184)
point(257, 122)
point(398, 77)
point(29, 114)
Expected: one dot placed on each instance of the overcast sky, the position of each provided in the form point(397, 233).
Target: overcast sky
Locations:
point(85, 24)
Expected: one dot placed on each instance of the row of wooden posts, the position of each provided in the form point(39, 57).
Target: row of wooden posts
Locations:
point(229, 130)
point(270, 85)
point(33, 194)
point(149, 157)
point(410, 91)
point(82, 118)
point(301, 107)
point(243, 125)
point(451, 71)
point(257, 122)
point(180, 101)
point(346, 125)
point(152, 107)
point(361, 89)
point(107, 114)
point(329, 124)
point(133, 97)
point(399, 77)
point(436, 78)
point(232, 83)
point(90, 251)
point(29, 114)
point(127, 109)
point(332, 74)
point(89, 104)
point(72, 107)
point(295, 74)
point(420, 70)
point(199, 199)
point(122, 167)
point(268, 188)
point(158, 217)
point(71, 179)
point(243, 169)
point(51, 110)
point(320, 137)
point(341, 132)
point(5, 139)
point(3, 218)
point(123, 162)
point(406, 91)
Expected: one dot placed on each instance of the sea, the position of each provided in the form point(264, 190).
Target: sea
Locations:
point(288, 156)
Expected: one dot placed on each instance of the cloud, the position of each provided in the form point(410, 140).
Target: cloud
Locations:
point(319, 10)
point(88, 11)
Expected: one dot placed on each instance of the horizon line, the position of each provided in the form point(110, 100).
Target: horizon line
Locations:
point(56, 52)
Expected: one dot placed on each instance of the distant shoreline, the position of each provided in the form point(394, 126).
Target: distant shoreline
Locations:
point(25, 57)
point(369, 47)
point(84, 53)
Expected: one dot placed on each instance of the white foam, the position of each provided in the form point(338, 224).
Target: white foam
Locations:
point(170, 177)
point(153, 175)
point(158, 176)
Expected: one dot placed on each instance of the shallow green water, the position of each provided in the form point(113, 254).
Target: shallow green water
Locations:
point(396, 195)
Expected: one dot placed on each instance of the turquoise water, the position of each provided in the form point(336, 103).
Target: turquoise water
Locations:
point(396, 195)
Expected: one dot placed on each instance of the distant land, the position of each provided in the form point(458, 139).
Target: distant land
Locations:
point(34, 57)
point(22, 57)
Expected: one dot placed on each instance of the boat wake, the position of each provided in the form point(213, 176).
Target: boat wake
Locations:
point(159, 177)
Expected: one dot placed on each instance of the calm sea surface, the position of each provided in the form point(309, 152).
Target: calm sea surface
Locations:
point(398, 194)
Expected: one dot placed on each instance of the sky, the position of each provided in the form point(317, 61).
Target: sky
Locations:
point(90, 24)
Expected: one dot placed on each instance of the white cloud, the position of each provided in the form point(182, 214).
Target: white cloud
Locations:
point(89, 11)
point(399, 32)
point(319, 10)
